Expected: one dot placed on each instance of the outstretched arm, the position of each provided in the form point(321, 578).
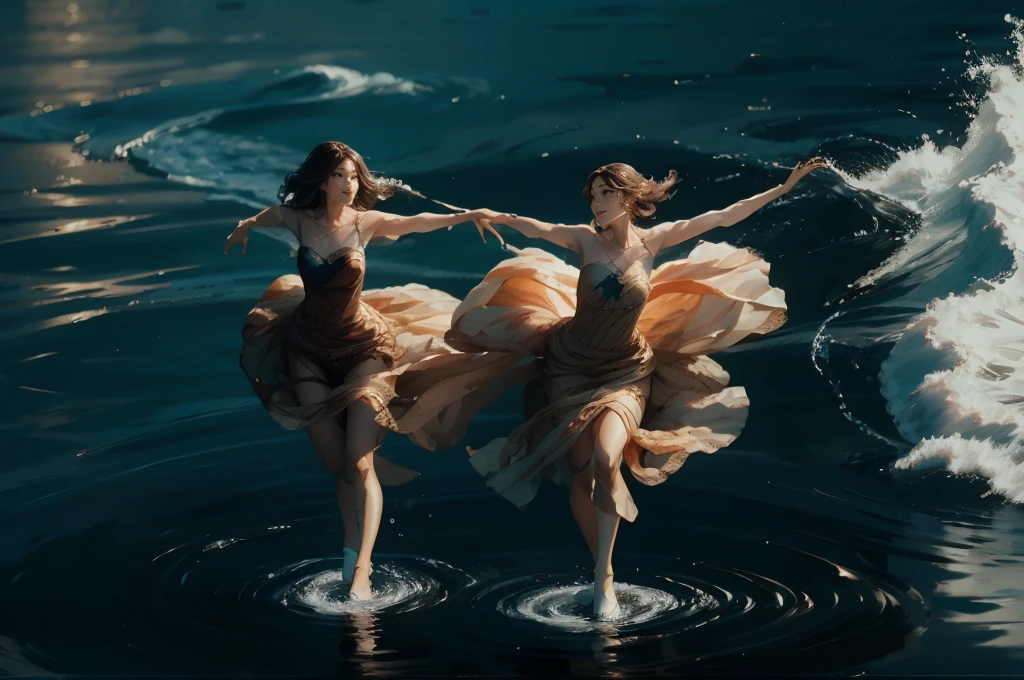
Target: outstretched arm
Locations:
point(276, 216)
point(673, 233)
point(565, 235)
point(388, 225)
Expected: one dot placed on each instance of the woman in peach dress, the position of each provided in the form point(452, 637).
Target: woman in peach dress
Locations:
point(623, 346)
point(327, 356)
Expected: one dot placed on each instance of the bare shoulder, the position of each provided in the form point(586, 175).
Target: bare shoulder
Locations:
point(580, 230)
point(290, 217)
point(654, 236)
point(370, 221)
point(579, 234)
point(647, 233)
point(372, 215)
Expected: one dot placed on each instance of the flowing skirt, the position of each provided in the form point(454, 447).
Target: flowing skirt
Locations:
point(704, 303)
point(422, 388)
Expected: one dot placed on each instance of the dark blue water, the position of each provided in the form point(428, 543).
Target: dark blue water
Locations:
point(156, 520)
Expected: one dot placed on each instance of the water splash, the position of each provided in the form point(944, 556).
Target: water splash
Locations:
point(327, 594)
point(954, 382)
point(558, 606)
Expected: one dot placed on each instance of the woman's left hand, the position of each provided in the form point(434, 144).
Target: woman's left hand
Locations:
point(482, 225)
point(482, 220)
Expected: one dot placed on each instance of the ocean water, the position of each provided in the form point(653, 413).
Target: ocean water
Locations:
point(157, 521)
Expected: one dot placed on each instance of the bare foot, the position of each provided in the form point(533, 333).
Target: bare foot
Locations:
point(360, 588)
point(606, 605)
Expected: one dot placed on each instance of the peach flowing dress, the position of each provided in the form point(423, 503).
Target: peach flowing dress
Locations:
point(426, 390)
point(598, 333)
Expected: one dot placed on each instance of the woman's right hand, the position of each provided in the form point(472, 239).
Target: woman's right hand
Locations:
point(491, 216)
point(483, 219)
point(239, 235)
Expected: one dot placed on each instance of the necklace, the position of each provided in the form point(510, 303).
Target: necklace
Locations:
point(330, 230)
point(611, 260)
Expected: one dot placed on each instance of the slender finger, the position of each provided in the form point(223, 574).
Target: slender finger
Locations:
point(497, 235)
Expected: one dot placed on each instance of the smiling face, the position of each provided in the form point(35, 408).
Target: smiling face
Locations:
point(332, 173)
point(618, 194)
point(606, 202)
point(343, 183)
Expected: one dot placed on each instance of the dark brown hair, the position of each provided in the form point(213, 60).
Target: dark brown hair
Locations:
point(641, 193)
point(301, 189)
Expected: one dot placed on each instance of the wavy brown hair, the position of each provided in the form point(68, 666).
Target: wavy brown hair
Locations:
point(301, 189)
point(641, 193)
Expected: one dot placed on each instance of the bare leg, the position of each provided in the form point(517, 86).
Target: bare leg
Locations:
point(328, 439)
point(345, 492)
point(363, 433)
point(580, 502)
point(610, 438)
